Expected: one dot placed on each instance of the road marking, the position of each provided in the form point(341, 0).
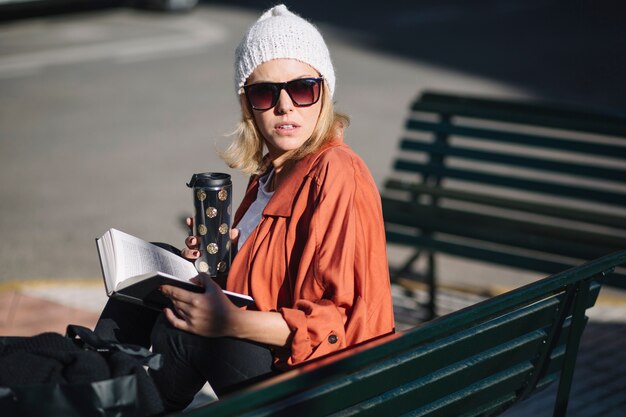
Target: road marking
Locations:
point(123, 51)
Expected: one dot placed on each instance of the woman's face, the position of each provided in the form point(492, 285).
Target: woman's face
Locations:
point(284, 127)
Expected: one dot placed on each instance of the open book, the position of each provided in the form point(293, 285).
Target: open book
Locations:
point(134, 269)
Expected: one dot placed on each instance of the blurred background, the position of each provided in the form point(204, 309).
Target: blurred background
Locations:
point(107, 108)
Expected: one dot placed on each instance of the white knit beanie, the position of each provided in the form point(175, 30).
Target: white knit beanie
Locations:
point(280, 33)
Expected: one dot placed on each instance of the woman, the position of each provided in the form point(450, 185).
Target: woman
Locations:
point(309, 231)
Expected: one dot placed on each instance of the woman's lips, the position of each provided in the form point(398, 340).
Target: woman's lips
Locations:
point(286, 128)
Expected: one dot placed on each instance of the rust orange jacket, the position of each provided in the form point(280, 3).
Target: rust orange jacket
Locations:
point(318, 256)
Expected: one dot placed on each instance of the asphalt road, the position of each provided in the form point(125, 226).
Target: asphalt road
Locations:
point(104, 115)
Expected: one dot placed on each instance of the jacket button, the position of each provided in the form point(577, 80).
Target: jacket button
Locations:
point(332, 339)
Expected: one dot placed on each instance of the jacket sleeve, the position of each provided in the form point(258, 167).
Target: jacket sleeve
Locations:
point(349, 266)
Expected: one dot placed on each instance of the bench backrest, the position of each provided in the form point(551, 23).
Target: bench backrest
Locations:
point(519, 184)
point(476, 361)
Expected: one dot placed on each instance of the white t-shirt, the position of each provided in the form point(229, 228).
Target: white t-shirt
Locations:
point(252, 217)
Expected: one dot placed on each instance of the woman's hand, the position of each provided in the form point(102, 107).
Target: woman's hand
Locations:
point(211, 314)
point(208, 314)
point(192, 243)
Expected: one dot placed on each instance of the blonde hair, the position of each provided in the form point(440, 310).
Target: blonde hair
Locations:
point(245, 153)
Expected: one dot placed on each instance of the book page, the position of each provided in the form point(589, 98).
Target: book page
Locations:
point(105, 250)
point(136, 257)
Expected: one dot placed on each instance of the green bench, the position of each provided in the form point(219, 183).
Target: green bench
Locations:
point(516, 184)
point(478, 361)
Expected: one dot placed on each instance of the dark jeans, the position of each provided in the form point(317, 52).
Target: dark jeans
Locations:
point(190, 360)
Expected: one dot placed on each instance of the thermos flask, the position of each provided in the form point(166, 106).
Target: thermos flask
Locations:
point(212, 199)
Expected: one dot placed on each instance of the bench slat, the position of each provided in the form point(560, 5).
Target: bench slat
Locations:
point(532, 113)
point(490, 387)
point(585, 171)
point(415, 396)
point(464, 392)
point(488, 228)
point(505, 401)
point(608, 197)
point(500, 403)
point(515, 138)
point(566, 213)
point(459, 379)
point(498, 257)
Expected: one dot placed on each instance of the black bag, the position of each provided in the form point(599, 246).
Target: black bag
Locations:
point(77, 375)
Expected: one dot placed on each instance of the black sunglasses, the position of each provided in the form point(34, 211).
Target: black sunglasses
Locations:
point(303, 92)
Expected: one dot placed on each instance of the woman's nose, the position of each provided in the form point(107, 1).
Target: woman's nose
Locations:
point(285, 104)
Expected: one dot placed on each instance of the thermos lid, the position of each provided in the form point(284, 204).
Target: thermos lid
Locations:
point(209, 179)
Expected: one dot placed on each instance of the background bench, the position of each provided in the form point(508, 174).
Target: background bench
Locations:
point(519, 184)
point(477, 361)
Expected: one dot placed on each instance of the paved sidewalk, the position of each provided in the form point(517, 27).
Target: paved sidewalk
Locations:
point(33, 307)
point(599, 387)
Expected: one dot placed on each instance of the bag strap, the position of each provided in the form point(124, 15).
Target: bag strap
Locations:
point(88, 340)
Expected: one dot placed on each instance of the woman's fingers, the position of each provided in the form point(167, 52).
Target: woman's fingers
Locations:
point(206, 313)
point(183, 311)
point(192, 250)
point(178, 294)
point(176, 321)
point(197, 280)
point(234, 236)
point(182, 307)
point(192, 242)
point(206, 281)
point(190, 254)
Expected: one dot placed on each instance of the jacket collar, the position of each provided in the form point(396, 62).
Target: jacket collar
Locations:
point(281, 203)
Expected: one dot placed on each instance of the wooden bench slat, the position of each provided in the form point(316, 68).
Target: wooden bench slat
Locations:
point(505, 401)
point(472, 379)
point(415, 396)
point(496, 385)
point(480, 392)
point(557, 240)
point(575, 169)
point(474, 394)
point(535, 141)
point(533, 113)
point(581, 193)
point(494, 256)
point(566, 213)
point(492, 407)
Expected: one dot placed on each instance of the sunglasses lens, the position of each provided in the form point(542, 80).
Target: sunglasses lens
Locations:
point(262, 96)
point(304, 92)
